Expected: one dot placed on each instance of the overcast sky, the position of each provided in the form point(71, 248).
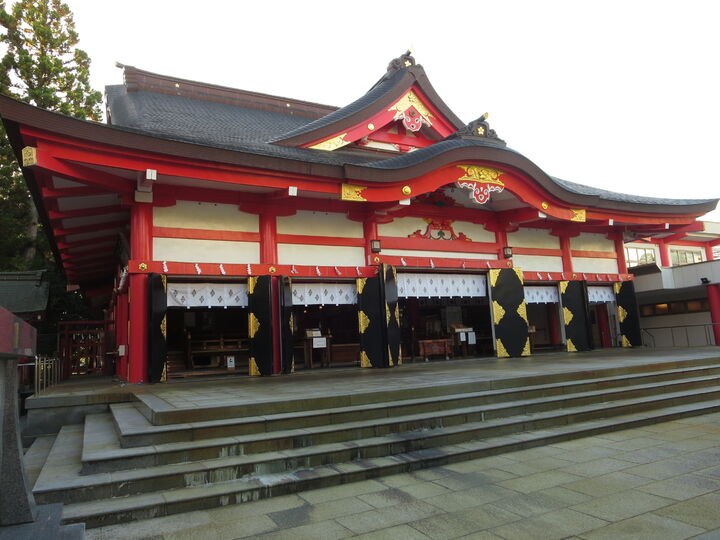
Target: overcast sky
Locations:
point(622, 95)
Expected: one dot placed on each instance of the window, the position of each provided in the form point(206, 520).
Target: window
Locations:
point(679, 257)
point(635, 256)
point(674, 308)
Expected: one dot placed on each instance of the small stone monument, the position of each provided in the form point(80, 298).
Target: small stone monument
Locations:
point(20, 517)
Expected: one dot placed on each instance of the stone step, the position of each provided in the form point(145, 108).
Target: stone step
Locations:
point(107, 455)
point(69, 486)
point(135, 430)
point(262, 485)
point(159, 412)
point(35, 457)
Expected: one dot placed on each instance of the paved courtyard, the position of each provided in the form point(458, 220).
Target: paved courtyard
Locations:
point(656, 482)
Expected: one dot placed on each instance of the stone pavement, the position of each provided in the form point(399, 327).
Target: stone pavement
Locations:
point(655, 482)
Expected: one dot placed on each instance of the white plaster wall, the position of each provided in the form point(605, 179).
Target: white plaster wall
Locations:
point(201, 215)
point(538, 263)
point(592, 242)
point(310, 223)
point(206, 251)
point(594, 266)
point(533, 238)
point(439, 254)
point(402, 226)
point(321, 255)
point(475, 232)
point(677, 336)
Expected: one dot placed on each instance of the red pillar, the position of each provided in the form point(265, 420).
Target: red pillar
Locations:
point(268, 255)
point(664, 254)
point(709, 252)
point(370, 232)
point(713, 292)
point(554, 324)
point(268, 239)
point(566, 253)
point(140, 250)
point(620, 252)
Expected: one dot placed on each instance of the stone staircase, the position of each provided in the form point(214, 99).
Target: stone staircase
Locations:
point(139, 461)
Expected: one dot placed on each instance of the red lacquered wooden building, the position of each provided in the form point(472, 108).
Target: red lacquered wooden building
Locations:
point(228, 230)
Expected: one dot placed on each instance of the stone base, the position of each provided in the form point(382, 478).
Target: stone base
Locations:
point(45, 527)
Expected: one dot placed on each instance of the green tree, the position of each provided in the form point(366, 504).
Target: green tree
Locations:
point(41, 66)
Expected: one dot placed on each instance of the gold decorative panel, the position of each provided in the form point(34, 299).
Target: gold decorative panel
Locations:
point(526, 349)
point(253, 368)
point(363, 322)
point(564, 286)
point(498, 312)
point(364, 360)
point(410, 99)
point(360, 284)
point(485, 175)
point(626, 342)
point(29, 156)
point(519, 273)
point(617, 287)
point(253, 325)
point(522, 311)
point(567, 316)
point(622, 314)
point(578, 215)
point(501, 351)
point(494, 277)
point(571, 346)
point(351, 192)
point(331, 144)
point(251, 284)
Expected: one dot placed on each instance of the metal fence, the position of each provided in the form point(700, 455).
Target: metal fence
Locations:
point(688, 335)
point(44, 372)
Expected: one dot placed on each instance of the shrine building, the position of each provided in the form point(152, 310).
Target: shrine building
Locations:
point(227, 230)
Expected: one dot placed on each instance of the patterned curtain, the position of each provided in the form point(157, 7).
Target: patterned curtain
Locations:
point(307, 294)
point(207, 295)
point(440, 285)
point(600, 294)
point(544, 294)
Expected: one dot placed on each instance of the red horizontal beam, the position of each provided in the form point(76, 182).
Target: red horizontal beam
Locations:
point(545, 252)
point(319, 240)
point(594, 254)
point(65, 246)
point(442, 262)
point(213, 269)
point(91, 228)
point(55, 193)
point(84, 212)
point(535, 277)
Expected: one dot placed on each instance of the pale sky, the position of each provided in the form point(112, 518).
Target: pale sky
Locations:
point(622, 95)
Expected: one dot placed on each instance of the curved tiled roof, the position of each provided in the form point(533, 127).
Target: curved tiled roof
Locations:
point(375, 93)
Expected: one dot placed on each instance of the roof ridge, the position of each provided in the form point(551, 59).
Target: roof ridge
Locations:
point(137, 79)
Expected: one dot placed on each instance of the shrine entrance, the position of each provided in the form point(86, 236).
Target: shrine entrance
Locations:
point(544, 312)
point(444, 316)
point(206, 329)
point(603, 314)
point(325, 323)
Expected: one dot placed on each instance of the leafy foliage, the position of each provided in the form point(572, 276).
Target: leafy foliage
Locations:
point(42, 66)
